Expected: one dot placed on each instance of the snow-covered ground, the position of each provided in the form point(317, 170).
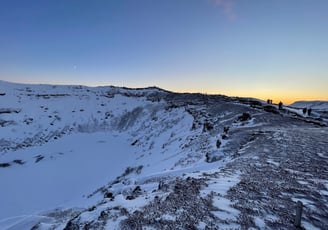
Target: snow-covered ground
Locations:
point(75, 157)
point(318, 105)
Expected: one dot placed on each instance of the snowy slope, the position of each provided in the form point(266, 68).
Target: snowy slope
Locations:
point(74, 157)
point(317, 105)
point(312, 109)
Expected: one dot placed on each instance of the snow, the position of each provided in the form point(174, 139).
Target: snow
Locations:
point(259, 223)
point(317, 105)
point(71, 166)
point(220, 186)
point(99, 157)
point(23, 222)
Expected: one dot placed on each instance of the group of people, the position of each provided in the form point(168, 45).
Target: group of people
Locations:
point(269, 101)
point(308, 111)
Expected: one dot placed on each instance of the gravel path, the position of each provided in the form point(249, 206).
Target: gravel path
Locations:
point(278, 168)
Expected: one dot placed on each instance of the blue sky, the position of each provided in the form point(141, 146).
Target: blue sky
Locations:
point(259, 48)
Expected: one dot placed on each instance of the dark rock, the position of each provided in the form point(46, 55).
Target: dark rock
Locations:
point(244, 117)
point(20, 162)
point(218, 143)
point(135, 142)
point(207, 127)
point(71, 226)
point(4, 165)
point(224, 137)
point(109, 195)
point(130, 197)
point(38, 158)
point(270, 109)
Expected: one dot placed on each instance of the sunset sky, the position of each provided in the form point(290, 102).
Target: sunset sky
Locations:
point(257, 48)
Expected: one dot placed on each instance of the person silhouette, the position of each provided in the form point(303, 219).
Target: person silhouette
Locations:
point(280, 105)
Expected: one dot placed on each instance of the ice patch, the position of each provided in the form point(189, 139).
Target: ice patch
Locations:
point(273, 162)
point(259, 222)
point(322, 155)
point(303, 182)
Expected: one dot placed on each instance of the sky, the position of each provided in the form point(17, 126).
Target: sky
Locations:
point(274, 49)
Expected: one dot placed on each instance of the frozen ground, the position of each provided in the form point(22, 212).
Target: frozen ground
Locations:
point(73, 157)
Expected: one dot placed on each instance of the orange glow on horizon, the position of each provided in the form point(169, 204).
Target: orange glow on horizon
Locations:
point(285, 98)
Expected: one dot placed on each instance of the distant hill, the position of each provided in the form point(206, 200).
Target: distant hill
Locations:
point(319, 105)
